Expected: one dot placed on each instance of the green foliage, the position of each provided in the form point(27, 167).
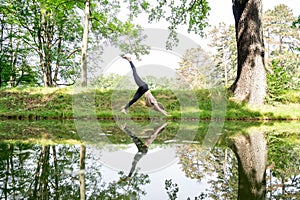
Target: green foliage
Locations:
point(123, 189)
point(277, 82)
point(292, 96)
point(296, 24)
point(283, 159)
point(279, 33)
point(281, 42)
point(223, 41)
point(42, 34)
point(192, 13)
point(4, 73)
point(172, 189)
point(46, 35)
point(109, 82)
point(195, 69)
point(121, 32)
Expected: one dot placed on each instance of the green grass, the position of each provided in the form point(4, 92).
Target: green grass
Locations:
point(57, 103)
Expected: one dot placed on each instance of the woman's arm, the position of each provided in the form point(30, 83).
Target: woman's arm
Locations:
point(157, 108)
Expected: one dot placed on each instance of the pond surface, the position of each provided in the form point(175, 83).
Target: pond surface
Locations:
point(149, 160)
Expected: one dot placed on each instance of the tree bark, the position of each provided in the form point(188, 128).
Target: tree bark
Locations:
point(12, 78)
point(47, 41)
point(251, 152)
point(56, 169)
point(44, 178)
point(1, 47)
point(82, 172)
point(41, 39)
point(57, 61)
point(85, 44)
point(250, 84)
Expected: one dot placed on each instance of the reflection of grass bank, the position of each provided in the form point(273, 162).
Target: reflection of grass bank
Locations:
point(99, 133)
point(106, 132)
point(39, 132)
point(281, 127)
point(55, 103)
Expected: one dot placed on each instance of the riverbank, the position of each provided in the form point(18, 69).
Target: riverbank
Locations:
point(58, 103)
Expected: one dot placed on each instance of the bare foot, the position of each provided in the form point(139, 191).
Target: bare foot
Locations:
point(126, 57)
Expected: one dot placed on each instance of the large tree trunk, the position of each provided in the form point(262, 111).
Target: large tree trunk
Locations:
point(251, 152)
point(85, 44)
point(250, 84)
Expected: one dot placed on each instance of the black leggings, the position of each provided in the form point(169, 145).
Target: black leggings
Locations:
point(142, 150)
point(143, 87)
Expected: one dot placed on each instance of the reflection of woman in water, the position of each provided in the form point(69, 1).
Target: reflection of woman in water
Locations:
point(142, 146)
point(142, 90)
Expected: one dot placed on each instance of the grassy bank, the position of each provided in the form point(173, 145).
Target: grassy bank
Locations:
point(57, 103)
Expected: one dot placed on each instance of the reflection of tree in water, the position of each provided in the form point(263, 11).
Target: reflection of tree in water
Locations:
point(283, 174)
point(172, 190)
point(122, 189)
point(37, 172)
point(53, 172)
point(246, 171)
point(220, 165)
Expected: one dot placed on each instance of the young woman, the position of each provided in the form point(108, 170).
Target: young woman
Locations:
point(142, 90)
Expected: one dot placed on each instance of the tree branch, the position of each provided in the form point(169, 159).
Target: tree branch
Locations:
point(74, 51)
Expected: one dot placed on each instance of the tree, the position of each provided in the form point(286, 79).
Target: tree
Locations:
point(127, 36)
point(284, 180)
point(251, 153)
point(196, 166)
point(85, 43)
point(82, 171)
point(224, 43)
point(43, 28)
point(4, 57)
point(277, 81)
point(195, 68)
point(15, 68)
point(282, 41)
point(280, 34)
point(51, 30)
point(250, 83)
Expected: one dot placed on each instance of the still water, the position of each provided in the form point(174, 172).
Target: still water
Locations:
point(149, 160)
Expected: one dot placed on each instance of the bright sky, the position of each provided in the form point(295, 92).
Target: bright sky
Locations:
point(221, 11)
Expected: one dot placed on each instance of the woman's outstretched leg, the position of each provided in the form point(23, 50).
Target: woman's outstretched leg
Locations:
point(143, 87)
point(136, 77)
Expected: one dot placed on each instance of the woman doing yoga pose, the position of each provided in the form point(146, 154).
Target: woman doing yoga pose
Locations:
point(142, 90)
